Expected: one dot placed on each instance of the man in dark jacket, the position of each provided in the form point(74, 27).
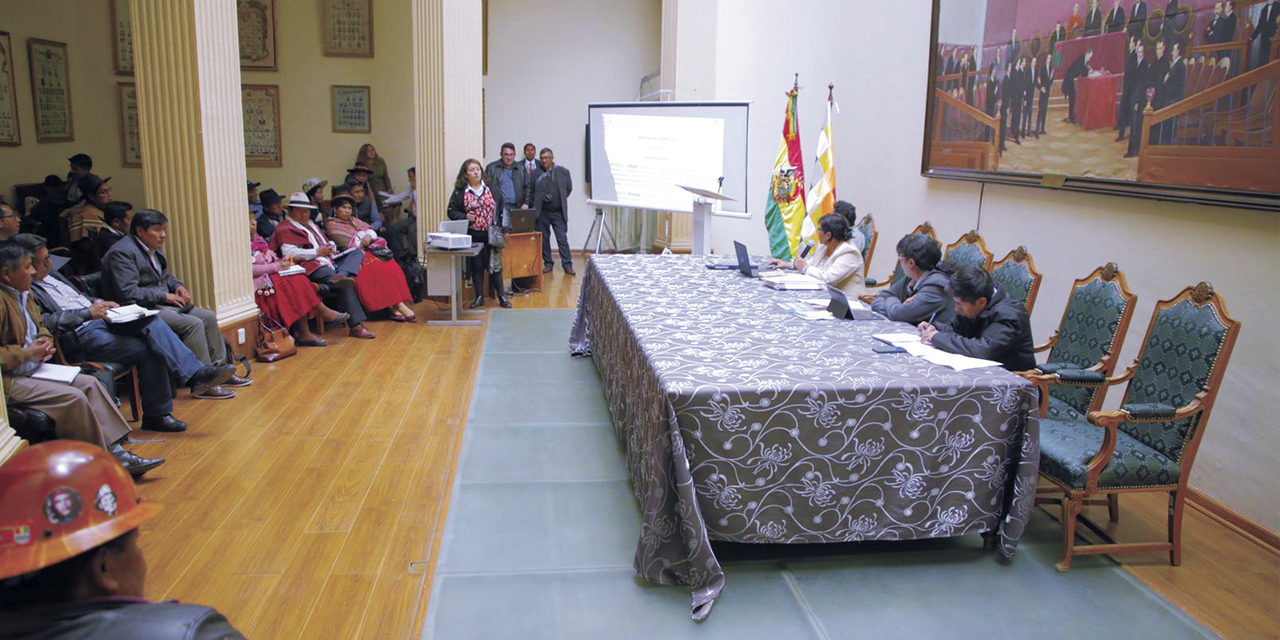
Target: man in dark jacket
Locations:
point(552, 185)
point(1077, 69)
point(272, 212)
point(922, 294)
point(988, 324)
point(81, 573)
point(508, 180)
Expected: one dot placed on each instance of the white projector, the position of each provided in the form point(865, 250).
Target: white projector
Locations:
point(449, 240)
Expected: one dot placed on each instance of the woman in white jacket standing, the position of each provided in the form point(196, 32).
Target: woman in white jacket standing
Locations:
point(837, 260)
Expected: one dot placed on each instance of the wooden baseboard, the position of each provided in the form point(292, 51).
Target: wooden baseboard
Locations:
point(1262, 536)
point(250, 346)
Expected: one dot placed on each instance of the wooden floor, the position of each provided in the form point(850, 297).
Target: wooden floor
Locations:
point(311, 505)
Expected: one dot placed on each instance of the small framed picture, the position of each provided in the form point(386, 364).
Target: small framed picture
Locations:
point(257, 27)
point(130, 138)
point(351, 109)
point(10, 132)
point(121, 37)
point(262, 147)
point(51, 90)
point(348, 28)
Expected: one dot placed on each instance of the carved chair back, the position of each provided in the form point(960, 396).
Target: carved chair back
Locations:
point(1016, 275)
point(1092, 330)
point(969, 250)
point(867, 227)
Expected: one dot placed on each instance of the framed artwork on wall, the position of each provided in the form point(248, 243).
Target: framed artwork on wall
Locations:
point(348, 28)
point(257, 28)
point(130, 138)
point(10, 132)
point(351, 109)
point(1142, 99)
point(51, 90)
point(262, 125)
point(121, 37)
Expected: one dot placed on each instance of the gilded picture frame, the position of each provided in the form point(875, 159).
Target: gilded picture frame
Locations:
point(348, 28)
point(121, 37)
point(262, 138)
point(51, 90)
point(129, 127)
point(10, 127)
point(256, 23)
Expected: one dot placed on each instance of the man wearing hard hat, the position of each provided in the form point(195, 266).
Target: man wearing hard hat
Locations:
point(70, 566)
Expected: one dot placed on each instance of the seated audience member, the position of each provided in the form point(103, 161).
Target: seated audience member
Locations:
point(379, 179)
point(365, 207)
point(272, 213)
point(255, 198)
point(988, 324)
point(299, 239)
point(148, 344)
point(836, 261)
point(117, 214)
point(137, 272)
point(922, 294)
point(289, 300)
point(81, 166)
point(10, 222)
point(380, 282)
point(45, 212)
point(84, 221)
point(402, 235)
point(81, 410)
point(83, 575)
point(314, 188)
point(850, 213)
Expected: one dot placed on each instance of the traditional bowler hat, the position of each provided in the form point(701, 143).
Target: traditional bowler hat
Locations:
point(269, 197)
point(299, 200)
point(52, 182)
point(253, 185)
point(340, 198)
point(312, 184)
point(81, 160)
point(90, 184)
point(359, 169)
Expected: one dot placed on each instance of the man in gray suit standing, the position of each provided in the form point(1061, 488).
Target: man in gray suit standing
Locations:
point(551, 188)
point(135, 271)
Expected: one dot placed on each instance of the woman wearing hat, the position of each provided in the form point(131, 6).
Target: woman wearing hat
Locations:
point(379, 179)
point(380, 283)
point(289, 300)
point(314, 188)
point(475, 202)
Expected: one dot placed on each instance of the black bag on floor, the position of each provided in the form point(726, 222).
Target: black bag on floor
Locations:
point(416, 277)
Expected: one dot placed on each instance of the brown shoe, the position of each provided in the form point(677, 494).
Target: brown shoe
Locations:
point(217, 392)
point(568, 270)
point(362, 333)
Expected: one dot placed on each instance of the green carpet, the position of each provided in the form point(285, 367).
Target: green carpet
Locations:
point(542, 528)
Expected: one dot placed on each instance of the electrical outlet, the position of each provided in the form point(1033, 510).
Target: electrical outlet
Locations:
point(240, 335)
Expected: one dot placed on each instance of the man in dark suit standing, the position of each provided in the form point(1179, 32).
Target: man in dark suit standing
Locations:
point(551, 188)
point(1006, 103)
point(1171, 86)
point(530, 162)
point(1171, 10)
point(1028, 95)
point(1212, 30)
point(1078, 68)
point(1093, 20)
point(1142, 75)
point(1115, 19)
point(1044, 81)
point(992, 95)
point(1125, 108)
point(1137, 18)
point(1228, 29)
point(1260, 42)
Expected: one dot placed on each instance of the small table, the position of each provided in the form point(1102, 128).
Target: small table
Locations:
point(456, 254)
point(1096, 101)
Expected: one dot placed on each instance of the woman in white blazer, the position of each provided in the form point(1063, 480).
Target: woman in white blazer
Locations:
point(837, 260)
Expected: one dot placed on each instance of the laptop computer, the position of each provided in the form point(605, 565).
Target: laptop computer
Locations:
point(841, 310)
point(744, 261)
point(454, 226)
point(523, 219)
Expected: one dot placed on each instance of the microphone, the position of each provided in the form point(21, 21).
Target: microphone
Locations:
point(808, 246)
point(720, 185)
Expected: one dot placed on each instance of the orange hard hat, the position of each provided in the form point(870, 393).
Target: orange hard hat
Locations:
point(60, 499)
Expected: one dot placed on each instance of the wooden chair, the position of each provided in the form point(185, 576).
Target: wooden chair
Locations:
point(1086, 345)
point(1150, 443)
point(867, 227)
point(969, 250)
point(1016, 274)
point(926, 229)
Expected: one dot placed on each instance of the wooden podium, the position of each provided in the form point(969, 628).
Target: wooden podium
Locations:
point(521, 258)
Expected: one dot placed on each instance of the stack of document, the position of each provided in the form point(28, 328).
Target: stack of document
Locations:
point(292, 270)
point(128, 313)
point(911, 343)
point(790, 281)
point(56, 373)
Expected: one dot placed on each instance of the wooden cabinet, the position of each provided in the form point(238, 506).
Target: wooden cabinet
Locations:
point(521, 258)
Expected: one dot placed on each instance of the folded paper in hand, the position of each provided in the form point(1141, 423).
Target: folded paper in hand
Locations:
point(128, 313)
point(56, 373)
point(292, 271)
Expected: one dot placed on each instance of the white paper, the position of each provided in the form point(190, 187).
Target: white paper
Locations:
point(128, 313)
point(900, 339)
point(56, 373)
point(293, 270)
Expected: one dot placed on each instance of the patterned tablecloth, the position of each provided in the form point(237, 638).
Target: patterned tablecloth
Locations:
point(747, 424)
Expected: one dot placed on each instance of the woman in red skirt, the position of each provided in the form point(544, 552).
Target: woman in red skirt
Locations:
point(380, 284)
point(289, 300)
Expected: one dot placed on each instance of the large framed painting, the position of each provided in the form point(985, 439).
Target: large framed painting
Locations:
point(1173, 101)
point(121, 37)
point(130, 135)
point(348, 28)
point(257, 28)
point(10, 132)
point(262, 146)
point(51, 90)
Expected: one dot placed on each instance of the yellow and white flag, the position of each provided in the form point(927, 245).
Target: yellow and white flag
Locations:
point(822, 198)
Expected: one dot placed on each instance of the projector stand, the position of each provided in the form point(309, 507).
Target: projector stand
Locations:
point(701, 226)
point(600, 226)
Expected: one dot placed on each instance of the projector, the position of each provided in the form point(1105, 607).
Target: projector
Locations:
point(449, 240)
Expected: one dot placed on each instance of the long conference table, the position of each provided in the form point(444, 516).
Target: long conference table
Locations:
point(745, 423)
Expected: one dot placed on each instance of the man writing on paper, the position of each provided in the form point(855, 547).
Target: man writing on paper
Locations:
point(147, 343)
point(81, 410)
point(988, 324)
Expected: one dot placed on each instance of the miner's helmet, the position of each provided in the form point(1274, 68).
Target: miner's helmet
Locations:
point(60, 499)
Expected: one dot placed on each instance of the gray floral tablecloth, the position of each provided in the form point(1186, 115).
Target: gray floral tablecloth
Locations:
point(745, 423)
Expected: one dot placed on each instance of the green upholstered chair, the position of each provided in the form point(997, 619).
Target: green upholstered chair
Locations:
point(1016, 275)
point(969, 250)
point(867, 229)
point(1150, 443)
point(926, 229)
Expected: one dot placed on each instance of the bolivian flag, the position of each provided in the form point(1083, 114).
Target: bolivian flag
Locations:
point(785, 211)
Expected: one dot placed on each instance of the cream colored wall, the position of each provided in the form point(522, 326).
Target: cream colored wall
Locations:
point(877, 56)
point(85, 25)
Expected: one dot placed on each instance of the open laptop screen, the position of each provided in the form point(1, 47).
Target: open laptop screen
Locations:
point(744, 260)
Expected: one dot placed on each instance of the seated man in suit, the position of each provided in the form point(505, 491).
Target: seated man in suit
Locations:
point(148, 344)
point(922, 294)
point(300, 239)
point(81, 410)
point(137, 272)
point(988, 324)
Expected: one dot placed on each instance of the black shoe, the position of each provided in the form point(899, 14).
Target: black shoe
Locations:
point(135, 464)
point(210, 376)
point(342, 282)
point(568, 270)
point(478, 302)
point(546, 269)
point(237, 381)
point(168, 424)
point(504, 302)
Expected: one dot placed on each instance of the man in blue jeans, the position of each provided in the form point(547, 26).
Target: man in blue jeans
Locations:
point(148, 343)
point(551, 188)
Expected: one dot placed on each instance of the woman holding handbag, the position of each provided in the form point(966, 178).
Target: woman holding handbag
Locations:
point(475, 202)
point(380, 283)
point(286, 300)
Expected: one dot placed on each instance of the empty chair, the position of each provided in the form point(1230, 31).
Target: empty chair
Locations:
point(969, 250)
point(1016, 275)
